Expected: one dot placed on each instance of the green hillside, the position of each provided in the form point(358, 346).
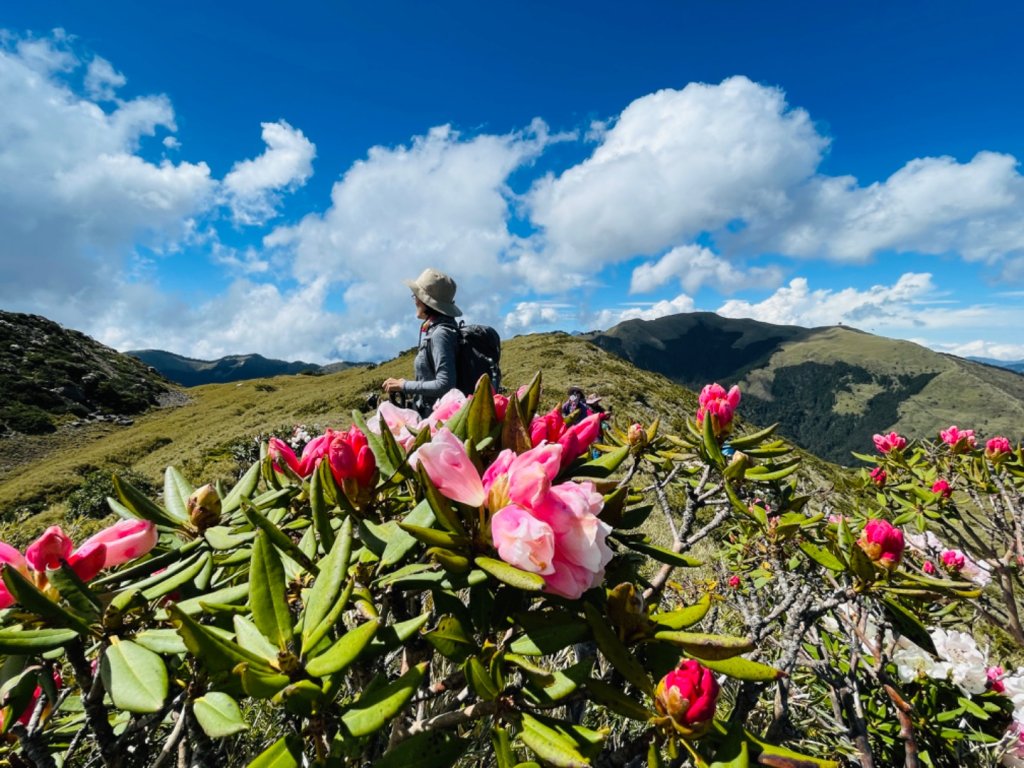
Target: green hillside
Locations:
point(830, 388)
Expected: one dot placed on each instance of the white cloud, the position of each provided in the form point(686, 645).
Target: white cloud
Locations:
point(695, 266)
point(982, 348)
point(674, 164)
point(75, 200)
point(102, 80)
point(797, 304)
point(252, 186)
point(606, 318)
point(531, 314)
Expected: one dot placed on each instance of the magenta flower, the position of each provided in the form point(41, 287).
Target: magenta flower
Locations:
point(958, 440)
point(121, 542)
point(551, 427)
point(995, 679)
point(448, 465)
point(302, 466)
point(734, 581)
point(997, 449)
point(928, 567)
point(878, 476)
point(882, 543)
point(889, 443)
point(721, 405)
point(403, 423)
point(350, 456)
point(942, 488)
point(953, 560)
point(688, 696)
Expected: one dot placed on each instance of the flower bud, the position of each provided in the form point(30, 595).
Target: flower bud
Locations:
point(941, 487)
point(637, 436)
point(953, 560)
point(878, 476)
point(734, 582)
point(998, 449)
point(958, 440)
point(928, 567)
point(687, 696)
point(882, 543)
point(627, 612)
point(204, 507)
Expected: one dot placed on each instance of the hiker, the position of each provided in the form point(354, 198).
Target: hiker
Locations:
point(434, 366)
point(575, 409)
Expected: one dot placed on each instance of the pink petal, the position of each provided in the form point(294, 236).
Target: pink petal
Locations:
point(88, 560)
point(12, 556)
point(49, 549)
point(522, 540)
point(448, 465)
point(124, 541)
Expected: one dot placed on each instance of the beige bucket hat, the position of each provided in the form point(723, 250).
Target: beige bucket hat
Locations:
point(436, 290)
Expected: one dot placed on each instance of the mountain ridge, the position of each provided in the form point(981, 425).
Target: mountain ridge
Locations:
point(193, 372)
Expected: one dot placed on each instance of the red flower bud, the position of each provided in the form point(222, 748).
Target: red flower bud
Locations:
point(882, 543)
point(941, 487)
point(878, 476)
point(998, 449)
point(688, 696)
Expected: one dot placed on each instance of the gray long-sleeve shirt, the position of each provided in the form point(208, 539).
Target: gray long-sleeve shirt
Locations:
point(434, 365)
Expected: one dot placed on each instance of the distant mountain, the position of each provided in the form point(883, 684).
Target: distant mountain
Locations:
point(1013, 365)
point(48, 372)
point(830, 388)
point(190, 373)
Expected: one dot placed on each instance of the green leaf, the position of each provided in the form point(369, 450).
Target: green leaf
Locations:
point(333, 572)
point(431, 749)
point(166, 642)
point(733, 751)
point(908, 624)
point(344, 651)
point(822, 557)
point(387, 463)
point(479, 680)
point(243, 490)
point(399, 542)
point(617, 653)
point(551, 745)
point(176, 493)
point(450, 639)
point(283, 753)
point(711, 446)
point(603, 465)
point(660, 554)
point(481, 411)
point(218, 715)
point(705, 646)
point(375, 708)
point(317, 633)
point(32, 600)
point(754, 438)
point(248, 635)
point(612, 697)
point(501, 742)
point(226, 596)
point(260, 683)
point(32, 641)
point(547, 632)
point(515, 435)
point(684, 617)
point(268, 601)
point(743, 669)
point(135, 677)
point(75, 591)
point(176, 576)
point(278, 537)
point(318, 507)
point(432, 537)
point(509, 574)
point(441, 506)
point(141, 505)
point(214, 652)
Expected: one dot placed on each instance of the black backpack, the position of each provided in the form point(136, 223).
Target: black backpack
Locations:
point(479, 352)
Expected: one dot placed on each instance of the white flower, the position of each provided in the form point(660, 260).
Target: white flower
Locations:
point(1013, 688)
point(962, 660)
point(913, 662)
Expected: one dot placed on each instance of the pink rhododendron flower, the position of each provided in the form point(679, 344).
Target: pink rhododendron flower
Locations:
point(449, 404)
point(995, 679)
point(889, 443)
point(878, 476)
point(721, 405)
point(882, 543)
point(942, 488)
point(959, 440)
point(350, 457)
point(953, 560)
point(446, 462)
point(552, 530)
point(734, 581)
point(928, 567)
point(400, 422)
point(121, 542)
point(997, 449)
point(303, 465)
point(575, 439)
point(688, 696)
point(500, 407)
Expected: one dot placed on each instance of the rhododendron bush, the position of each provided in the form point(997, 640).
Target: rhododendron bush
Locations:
point(491, 586)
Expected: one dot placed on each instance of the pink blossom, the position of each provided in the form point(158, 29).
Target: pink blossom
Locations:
point(523, 541)
point(714, 400)
point(449, 404)
point(942, 488)
point(928, 567)
point(734, 581)
point(878, 476)
point(448, 465)
point(953, 560)
point(302, 466)
point(500, 407)
point(403, 423)
point(688, 696)
point(350, 456)
point(551, 427)
point(121, 542)
point(997, 449)
point(995, 681)
point(959, 440)
point(889, 443)
point(882, 543)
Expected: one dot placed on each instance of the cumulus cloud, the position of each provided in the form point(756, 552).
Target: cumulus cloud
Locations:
point(695, 266)
point(75, 199)
point(252, 186)
point(532, 314)
point(797, 304)
point(677, 163)
point(606, 318)
point(102, 80)
point(983, 348)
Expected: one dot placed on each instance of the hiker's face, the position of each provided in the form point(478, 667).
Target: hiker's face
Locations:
point(421, 309)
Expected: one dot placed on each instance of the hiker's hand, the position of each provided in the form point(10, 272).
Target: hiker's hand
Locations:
point(393, 385)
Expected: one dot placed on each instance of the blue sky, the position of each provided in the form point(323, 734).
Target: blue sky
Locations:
point(218, 178)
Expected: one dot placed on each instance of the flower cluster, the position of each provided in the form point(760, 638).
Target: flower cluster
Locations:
point(890, 443)
point(958, 440)
point(347, 452)
point(120, 543)
point(882, 543)
point(720, 405)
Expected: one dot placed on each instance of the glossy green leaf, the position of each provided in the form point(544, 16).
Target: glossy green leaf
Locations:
point(547, 632)
point(684, 617)
point(141, 505)
point(479, 680)
point(267, 598)
point(218, 715)
point(163, 641)
point(135, 677)
point(617, 653)
point(431, 749)
point(603, 465)
point(283, 753)
point(31, 641)
point(75, 591)
point(613, 698)
point(277, 537)
point(375, 708)
point(710, 442)
point(439, 505)
point(318, 507)
point(344, 651)
point(908, 624)
point(655, 552)
point(822, 557)
point(706, 646)
point(481, 415)
point(242, 490)
point(387, 462)
point(551, 745)
point(177, 576)
point(511, 575)
point(215, 652)
point(260, 682)
point(743, 669)
point(432, 537)
point(754, 438)
point(328, 584)
point(515, 434)
point(33, 601)
point(176, 492)
point(248, 635)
